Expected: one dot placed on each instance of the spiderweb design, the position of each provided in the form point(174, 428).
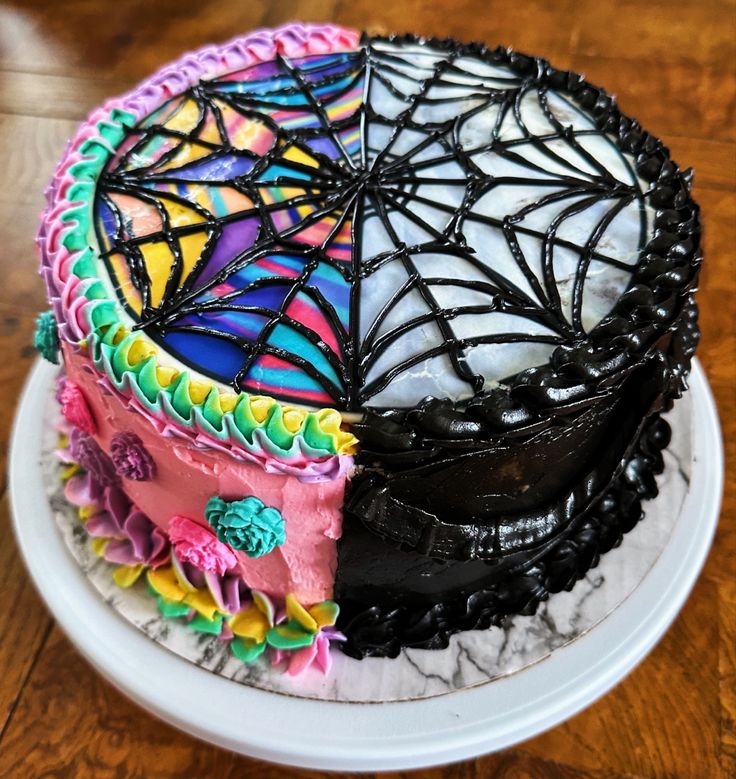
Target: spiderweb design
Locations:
point(369, 227)
point(226, 217)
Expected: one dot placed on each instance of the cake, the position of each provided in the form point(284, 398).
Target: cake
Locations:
point(364, 341)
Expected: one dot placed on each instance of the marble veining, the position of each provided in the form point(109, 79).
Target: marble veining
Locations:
point(473, 657)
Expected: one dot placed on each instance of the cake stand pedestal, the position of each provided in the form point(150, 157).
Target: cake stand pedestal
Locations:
point(398, 733)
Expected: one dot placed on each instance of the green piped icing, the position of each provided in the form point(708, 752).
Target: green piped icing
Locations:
point(46, 337)
point(172, 610)
point(275, 428)
point(203, 625)
point(175, 401)
point(110, 353)
point(84, 265)
point(247, 652)
point(169, 608)
point(212, 410)
point(244, 420)
point(180, 398)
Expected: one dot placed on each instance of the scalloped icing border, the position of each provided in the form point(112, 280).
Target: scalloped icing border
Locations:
point(89, 321)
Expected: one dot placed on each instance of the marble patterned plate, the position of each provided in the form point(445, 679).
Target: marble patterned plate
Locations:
point(543, 669)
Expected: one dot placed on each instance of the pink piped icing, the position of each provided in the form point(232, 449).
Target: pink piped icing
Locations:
point(199, 546)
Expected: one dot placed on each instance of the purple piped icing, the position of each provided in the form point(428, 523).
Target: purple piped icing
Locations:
point(87, 452)
point(132, 538)
point(131, 458)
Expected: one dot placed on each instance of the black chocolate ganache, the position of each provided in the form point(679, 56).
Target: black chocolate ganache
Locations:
point(461, 513)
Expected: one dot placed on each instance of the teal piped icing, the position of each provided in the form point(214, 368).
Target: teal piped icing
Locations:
point(247, 525)
point(110, 352)
point(46, 337)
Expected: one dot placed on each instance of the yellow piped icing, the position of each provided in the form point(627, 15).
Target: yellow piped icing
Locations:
point(198, 391)
point(139, 351)
point(166, 583)
point(132, 350)
point(331, 422)
point(228, 403)
point(260, 406)
point(165, 375)
point(293, 418)
point(126, 576)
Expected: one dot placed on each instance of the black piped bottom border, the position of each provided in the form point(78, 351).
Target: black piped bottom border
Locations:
point(377, 631)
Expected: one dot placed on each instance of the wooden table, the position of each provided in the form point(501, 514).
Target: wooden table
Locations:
point(672, 64)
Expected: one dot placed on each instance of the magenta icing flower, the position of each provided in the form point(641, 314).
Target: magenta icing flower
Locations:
point(199, 546)
point(75, 408)
point(131, 458)
point(86, 451)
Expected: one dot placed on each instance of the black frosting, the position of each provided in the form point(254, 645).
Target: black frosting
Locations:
point(429, 600)
point(650, 308)
point(391, 595)
point(461, 514)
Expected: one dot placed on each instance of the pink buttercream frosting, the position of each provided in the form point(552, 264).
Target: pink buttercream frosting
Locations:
point(188, 474)
point(200, 547)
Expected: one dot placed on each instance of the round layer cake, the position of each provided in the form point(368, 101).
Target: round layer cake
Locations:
point(364, 339)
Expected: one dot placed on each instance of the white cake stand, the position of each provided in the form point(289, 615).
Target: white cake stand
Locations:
point(358, 736)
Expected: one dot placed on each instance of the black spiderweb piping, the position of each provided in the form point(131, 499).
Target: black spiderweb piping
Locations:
point(404, 154)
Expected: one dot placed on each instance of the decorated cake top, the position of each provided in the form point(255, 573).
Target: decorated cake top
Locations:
point(304, 218)
point(370, 225)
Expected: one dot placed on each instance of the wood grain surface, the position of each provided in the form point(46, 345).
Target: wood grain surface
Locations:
point(672, 65)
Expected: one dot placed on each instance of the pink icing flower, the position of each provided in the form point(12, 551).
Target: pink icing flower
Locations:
point(75, 408)
point(199, 546)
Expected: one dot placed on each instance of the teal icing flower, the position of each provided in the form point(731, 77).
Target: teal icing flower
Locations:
point(46, 337)
point(247, 525)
